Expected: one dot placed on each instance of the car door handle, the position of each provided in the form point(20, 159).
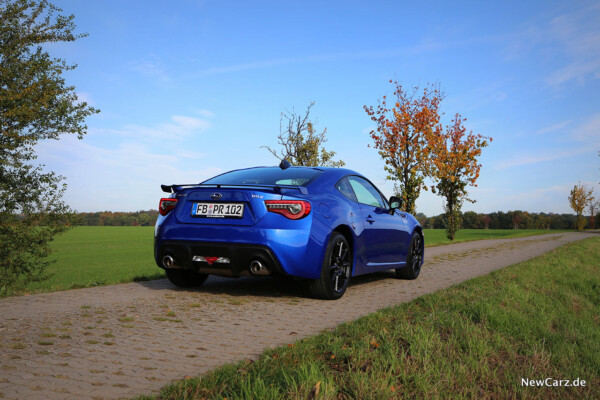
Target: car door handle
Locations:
point(370, 219)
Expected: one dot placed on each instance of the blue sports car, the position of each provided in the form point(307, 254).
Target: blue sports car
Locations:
point(323, 225)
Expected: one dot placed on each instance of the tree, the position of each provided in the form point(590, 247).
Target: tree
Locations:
point(593, 207)
point(35, 104)
point(300, 142)
point(470, 220)
point(422, 218)
point(517, 218)
point(453, 165)
point(485, 220)
point(579, 198)
point(542, 221)
point(402, 127)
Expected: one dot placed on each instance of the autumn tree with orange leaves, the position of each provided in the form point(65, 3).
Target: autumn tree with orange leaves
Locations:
point(580, 197)
point(453, 166)
point(402, 127)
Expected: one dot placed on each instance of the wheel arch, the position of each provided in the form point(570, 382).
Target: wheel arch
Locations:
point(347, 232)
point(419, 230)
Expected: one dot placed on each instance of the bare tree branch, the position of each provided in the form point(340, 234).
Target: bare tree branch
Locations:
point(300, 144)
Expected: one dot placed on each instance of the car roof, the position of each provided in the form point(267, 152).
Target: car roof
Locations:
point(332, 172)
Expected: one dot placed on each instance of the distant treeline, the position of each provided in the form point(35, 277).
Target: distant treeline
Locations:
point(470, 220)
point(504, 220)
point(109, 218)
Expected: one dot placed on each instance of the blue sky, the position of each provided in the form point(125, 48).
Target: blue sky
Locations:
point(189, 89)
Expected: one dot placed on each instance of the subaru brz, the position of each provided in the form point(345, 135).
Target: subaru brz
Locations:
point(321, 225)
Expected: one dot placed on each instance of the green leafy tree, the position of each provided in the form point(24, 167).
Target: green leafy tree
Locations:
point(300, 143)
point(35, 104)
point(469, 220)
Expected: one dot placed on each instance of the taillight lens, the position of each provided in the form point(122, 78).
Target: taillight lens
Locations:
point(292, 209)
point(166, 205)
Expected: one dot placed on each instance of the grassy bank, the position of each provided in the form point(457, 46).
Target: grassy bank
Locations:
point(103, 255)
point(535, 320)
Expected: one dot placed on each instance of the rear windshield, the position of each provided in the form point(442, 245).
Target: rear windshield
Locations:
point(266, 176)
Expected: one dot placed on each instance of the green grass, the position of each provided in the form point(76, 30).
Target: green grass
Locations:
point(99, 255)
point(103, 255)
point(535, 320)
point(435, 237)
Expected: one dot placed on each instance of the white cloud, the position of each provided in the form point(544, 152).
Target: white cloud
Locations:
point(190, 154)
point(589, 131)
point(246, 66)
point(123, 179)
point(572, 37)
point(534, 158)
point(83, 97)
point(554, 127)
point(153, 70)
point(205, 113)
point(188, 124)
point(578, 70)
point(423, 47)
point(578, 32)
point(478, 97)
point(125, 174)
point(179, 128)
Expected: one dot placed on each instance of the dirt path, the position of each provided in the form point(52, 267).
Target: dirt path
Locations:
point(124, 340)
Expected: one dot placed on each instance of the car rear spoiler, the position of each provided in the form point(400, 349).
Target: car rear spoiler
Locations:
point(176, 188)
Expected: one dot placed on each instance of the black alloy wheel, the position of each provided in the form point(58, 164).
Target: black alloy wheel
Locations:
point(339, 266)
point(414, 259)
point(336, 270)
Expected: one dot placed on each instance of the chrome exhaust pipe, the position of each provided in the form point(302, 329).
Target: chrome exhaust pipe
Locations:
point(257, 268)
point(168, 261)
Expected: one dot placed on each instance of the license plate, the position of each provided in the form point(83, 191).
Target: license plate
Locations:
point(218, 210)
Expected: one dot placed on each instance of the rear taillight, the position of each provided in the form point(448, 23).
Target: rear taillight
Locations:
point(292, 209)
point(166, 205)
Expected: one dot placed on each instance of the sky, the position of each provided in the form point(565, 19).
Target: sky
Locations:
point(191, 89)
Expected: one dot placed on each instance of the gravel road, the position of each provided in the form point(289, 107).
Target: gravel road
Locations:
point(123, 340)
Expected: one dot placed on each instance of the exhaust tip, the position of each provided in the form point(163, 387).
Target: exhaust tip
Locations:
point(258, 268)
point(168, 261)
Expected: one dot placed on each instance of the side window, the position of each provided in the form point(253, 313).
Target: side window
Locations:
point(366, 192)
point(344, 187)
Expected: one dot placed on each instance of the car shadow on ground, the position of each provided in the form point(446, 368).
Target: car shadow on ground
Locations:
point(260, 286)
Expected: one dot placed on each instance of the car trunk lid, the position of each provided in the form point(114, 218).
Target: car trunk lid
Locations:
point(219, 206)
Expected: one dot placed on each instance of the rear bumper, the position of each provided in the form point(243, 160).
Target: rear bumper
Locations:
point(294, 248)
point(239, 255)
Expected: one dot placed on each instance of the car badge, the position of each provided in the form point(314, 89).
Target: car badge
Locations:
point(211, 260)
point(216, 196)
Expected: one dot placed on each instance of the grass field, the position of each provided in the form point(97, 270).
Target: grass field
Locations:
point(435, 237)
point(102, 255)
point(535, 320)
point(99, 255)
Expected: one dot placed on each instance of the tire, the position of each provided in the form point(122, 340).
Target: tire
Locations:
point(335, 271)
point(185, 278)
point(414, 259)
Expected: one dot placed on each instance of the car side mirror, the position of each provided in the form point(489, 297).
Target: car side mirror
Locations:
point(395, 203)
